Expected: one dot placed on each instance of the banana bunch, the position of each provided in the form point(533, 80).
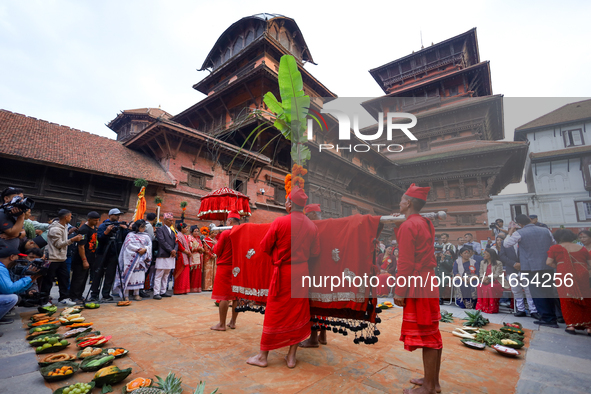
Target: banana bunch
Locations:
point(68, 319)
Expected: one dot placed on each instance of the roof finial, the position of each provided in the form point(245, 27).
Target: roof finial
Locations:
point(159, 107)
point(422, 47)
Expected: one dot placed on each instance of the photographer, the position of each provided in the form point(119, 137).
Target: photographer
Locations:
point(12, 215)
point(84, 257)
point(110, 236)
point(57, 248)
point(8, 288)
point(498, 227)
point(33, 262)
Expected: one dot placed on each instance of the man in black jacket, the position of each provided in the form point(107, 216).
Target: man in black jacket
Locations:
point(110, 235)
point(167, 248)
point(513, 276)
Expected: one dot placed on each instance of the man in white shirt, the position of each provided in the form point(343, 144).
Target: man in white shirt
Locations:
point(476, 247)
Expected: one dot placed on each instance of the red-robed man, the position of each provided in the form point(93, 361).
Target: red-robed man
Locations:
point(420, 317)
point(313, 212)
point(222, 284)
point(287, 319)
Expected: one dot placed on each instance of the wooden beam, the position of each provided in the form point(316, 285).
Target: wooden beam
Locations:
point(178, 147)
point(153, 150)
point(167, 145)
point(212, 117)
point(161, 148)
point(198, 154)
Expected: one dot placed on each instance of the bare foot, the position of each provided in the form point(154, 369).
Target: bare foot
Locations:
point(309, 343)
point(419, 382)
point(232, 325)
point(322, 338)
point(418, 390)
point(291, 361)
point(218, 327)
point(257, 361)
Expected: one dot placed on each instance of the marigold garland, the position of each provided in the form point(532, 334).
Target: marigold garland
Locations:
point(295, 179)
point(204, 230)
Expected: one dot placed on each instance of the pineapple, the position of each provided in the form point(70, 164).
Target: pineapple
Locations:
point(170, 385)
point(201, 388)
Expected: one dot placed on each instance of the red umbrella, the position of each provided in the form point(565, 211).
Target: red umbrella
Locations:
point(217, 204)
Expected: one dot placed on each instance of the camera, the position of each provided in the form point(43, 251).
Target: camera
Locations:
point(24, 267)
point(493, 226)
point(21, 203)
point(116, 226)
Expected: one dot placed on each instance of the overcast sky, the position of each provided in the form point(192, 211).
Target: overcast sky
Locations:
point(78, 63)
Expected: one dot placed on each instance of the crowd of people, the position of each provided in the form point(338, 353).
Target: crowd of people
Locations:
point(131, 261)
point(506, 267)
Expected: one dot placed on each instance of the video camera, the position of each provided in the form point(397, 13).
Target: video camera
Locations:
point(493, 226)
point(25, 267)
point(116, 226)
point(21, 203)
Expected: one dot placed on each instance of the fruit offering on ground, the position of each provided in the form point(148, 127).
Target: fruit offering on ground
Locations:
point(47, 309)
point(110, 375)
point(44, 339)
point(65, 370)
point(171, 385)
point(92, 305)
point(78, 388)
point(76, 325)
point(512, 330)
point(446, 317)
point(40, 316)
point(136, 384)
point(55, 358)
point(116, 352)
point(90, 351)
point(76, 331)
point(94, 341)
point(98, 361)
point(475, 319)
point(71, 311)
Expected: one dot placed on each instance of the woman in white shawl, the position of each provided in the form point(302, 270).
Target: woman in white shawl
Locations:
point(466, 267)
point(134, 261)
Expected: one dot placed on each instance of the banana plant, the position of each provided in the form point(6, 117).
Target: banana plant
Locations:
point(289, 114)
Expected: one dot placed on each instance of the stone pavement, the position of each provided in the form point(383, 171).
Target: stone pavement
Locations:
point(173, 335)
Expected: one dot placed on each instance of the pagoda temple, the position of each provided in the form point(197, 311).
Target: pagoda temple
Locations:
point(458, 152)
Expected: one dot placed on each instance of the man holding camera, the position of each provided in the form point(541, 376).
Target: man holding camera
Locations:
point(110, 236)
point(498, 227)
point(12, 215)
point(57, 247)
point(8, 288)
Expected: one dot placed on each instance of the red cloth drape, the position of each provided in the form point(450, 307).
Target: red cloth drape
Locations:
point(253, 265)
point(222, 283)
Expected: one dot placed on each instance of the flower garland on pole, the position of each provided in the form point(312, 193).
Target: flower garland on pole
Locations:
point(158, 200)
point(184, 208)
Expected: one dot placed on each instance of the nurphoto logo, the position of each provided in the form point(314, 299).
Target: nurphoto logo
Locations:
point(345, 131)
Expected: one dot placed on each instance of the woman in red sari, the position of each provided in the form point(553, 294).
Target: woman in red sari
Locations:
point(182, 272)
point(196, 247)
point(208, 260)
point(490, 292)
point(572, 263)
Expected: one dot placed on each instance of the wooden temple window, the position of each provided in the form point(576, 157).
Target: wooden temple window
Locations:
point(279, 194)
point(239, 185)
point(423, 145)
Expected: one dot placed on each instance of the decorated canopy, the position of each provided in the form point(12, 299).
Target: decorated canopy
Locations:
point(217, 204)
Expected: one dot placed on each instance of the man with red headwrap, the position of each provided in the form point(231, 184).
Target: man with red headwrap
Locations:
point(420, 317)
point(290, 241)
point(222, 283)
